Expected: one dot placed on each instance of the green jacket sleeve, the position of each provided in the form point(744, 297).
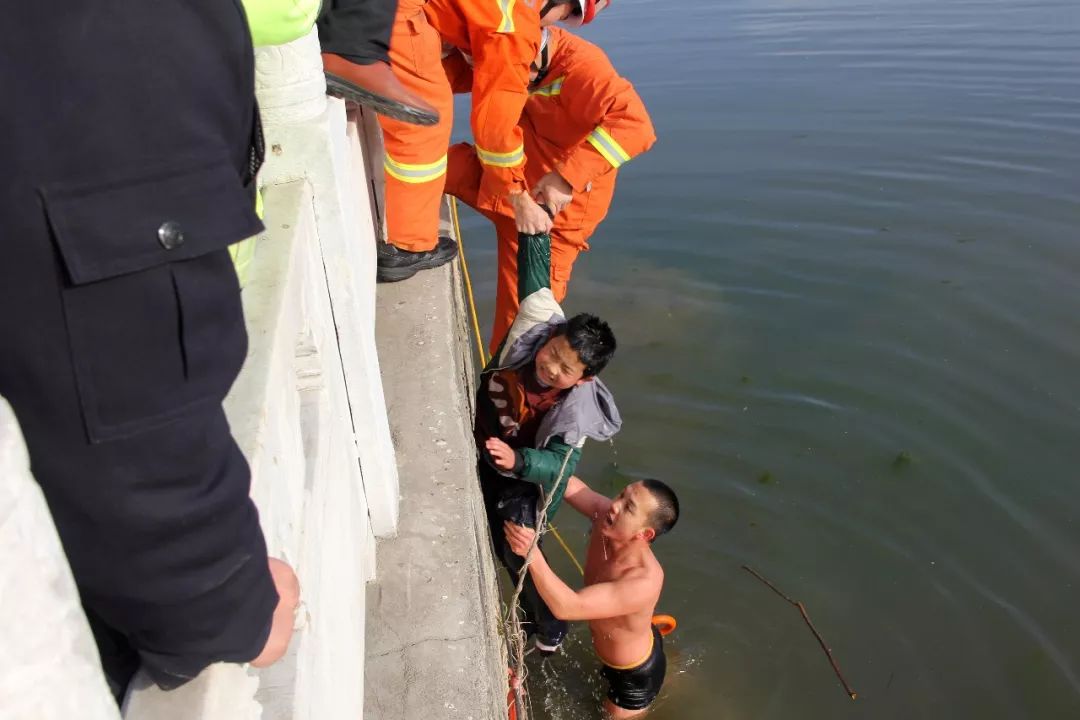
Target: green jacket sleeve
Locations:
point(537, 304)
point(542, 467)
point(534, 264)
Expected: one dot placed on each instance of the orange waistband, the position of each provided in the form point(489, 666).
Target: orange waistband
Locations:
point(652, 645)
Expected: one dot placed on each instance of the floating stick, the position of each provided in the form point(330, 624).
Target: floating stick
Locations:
point(802, 611)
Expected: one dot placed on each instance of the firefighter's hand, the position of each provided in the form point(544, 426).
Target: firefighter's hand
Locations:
point(519, 538)
point(530, 217)
point(501, 453)
point(553, 191)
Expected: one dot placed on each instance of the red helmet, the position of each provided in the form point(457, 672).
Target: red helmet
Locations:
point(583, 10)
point(587, 10)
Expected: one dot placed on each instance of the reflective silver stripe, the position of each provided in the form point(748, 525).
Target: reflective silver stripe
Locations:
point(507, 159)
point(415, 173)
point(551, 90)
point(506, 7)
point(608, 147)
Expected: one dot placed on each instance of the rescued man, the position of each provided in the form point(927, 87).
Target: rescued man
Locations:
point(538, 400)
point(623, 580)
point(581, 123)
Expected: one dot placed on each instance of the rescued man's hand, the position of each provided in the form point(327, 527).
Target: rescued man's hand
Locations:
point(501, 453)
point(519, 537)
point(554, 191)
point(530, 217)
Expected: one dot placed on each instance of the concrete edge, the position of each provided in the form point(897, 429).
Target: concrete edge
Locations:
point(487, 577)
point(435, 647)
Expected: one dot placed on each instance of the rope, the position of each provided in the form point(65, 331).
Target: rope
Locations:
point(483, 353)
point(569, 552)
point(513, 619)
point(468, 282)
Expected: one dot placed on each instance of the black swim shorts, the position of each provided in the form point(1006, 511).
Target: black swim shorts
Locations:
point(635, 688)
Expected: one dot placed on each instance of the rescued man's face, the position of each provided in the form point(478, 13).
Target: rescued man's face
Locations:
point(558, 365)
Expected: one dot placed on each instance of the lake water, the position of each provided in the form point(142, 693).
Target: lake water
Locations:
point(846, 287)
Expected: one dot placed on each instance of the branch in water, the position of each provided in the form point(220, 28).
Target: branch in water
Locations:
point(809, 624)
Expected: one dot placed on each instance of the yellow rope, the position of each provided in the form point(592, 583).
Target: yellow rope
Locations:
point(555, 532)
point(468, 282)
point(480, 345)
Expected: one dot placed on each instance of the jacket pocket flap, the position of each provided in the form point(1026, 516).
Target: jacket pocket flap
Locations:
point(105, 229)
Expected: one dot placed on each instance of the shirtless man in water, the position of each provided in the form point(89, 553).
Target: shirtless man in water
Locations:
point(623, 580)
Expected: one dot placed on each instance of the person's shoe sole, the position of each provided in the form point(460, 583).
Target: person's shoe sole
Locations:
point(397, 274)
point(342, 88)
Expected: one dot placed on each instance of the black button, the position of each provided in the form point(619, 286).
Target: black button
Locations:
point(170, 235)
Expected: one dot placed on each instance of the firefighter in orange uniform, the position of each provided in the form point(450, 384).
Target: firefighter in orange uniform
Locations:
point(582, 122)
point(503, 37)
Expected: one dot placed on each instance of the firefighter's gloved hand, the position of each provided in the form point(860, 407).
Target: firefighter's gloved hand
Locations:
point(531, 219)
point(553, 190)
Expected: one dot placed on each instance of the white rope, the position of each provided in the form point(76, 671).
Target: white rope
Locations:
point(515, 635)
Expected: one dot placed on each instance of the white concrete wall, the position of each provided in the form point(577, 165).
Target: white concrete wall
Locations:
point(312, 137)
point(49, 665)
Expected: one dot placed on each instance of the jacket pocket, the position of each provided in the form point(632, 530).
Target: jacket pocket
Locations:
point(152, 303)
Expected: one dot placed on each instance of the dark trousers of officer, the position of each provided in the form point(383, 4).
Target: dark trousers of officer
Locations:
point(357, 30)
point(537, 617)
point(129, 141)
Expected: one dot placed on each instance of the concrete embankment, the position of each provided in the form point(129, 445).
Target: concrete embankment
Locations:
point(433, 643)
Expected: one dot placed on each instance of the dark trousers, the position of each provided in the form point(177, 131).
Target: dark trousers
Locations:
point(121, 326)
point(119, 660)
point(509, 499)
point(357, 30)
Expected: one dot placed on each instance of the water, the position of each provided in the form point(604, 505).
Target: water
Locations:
point(845, 286)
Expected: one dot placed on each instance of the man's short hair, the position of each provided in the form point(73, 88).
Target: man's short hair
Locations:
point(591, 338)
point(666, 513)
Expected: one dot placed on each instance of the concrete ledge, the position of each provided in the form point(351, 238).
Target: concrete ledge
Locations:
point(433, 645)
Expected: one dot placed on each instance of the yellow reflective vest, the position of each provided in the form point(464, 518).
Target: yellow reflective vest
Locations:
point(272, 22)
point(275, 22)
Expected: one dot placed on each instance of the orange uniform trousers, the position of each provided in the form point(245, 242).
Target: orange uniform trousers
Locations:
point(570, 230)
point(415, 163)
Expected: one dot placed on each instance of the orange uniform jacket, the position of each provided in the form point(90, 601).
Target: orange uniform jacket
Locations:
point(584, 121)
point(503, 38)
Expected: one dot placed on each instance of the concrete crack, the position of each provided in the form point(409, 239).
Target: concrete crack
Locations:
point(421, 641)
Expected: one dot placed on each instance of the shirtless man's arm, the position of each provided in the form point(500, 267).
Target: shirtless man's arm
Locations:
point(584, 499)
point(631, 593)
